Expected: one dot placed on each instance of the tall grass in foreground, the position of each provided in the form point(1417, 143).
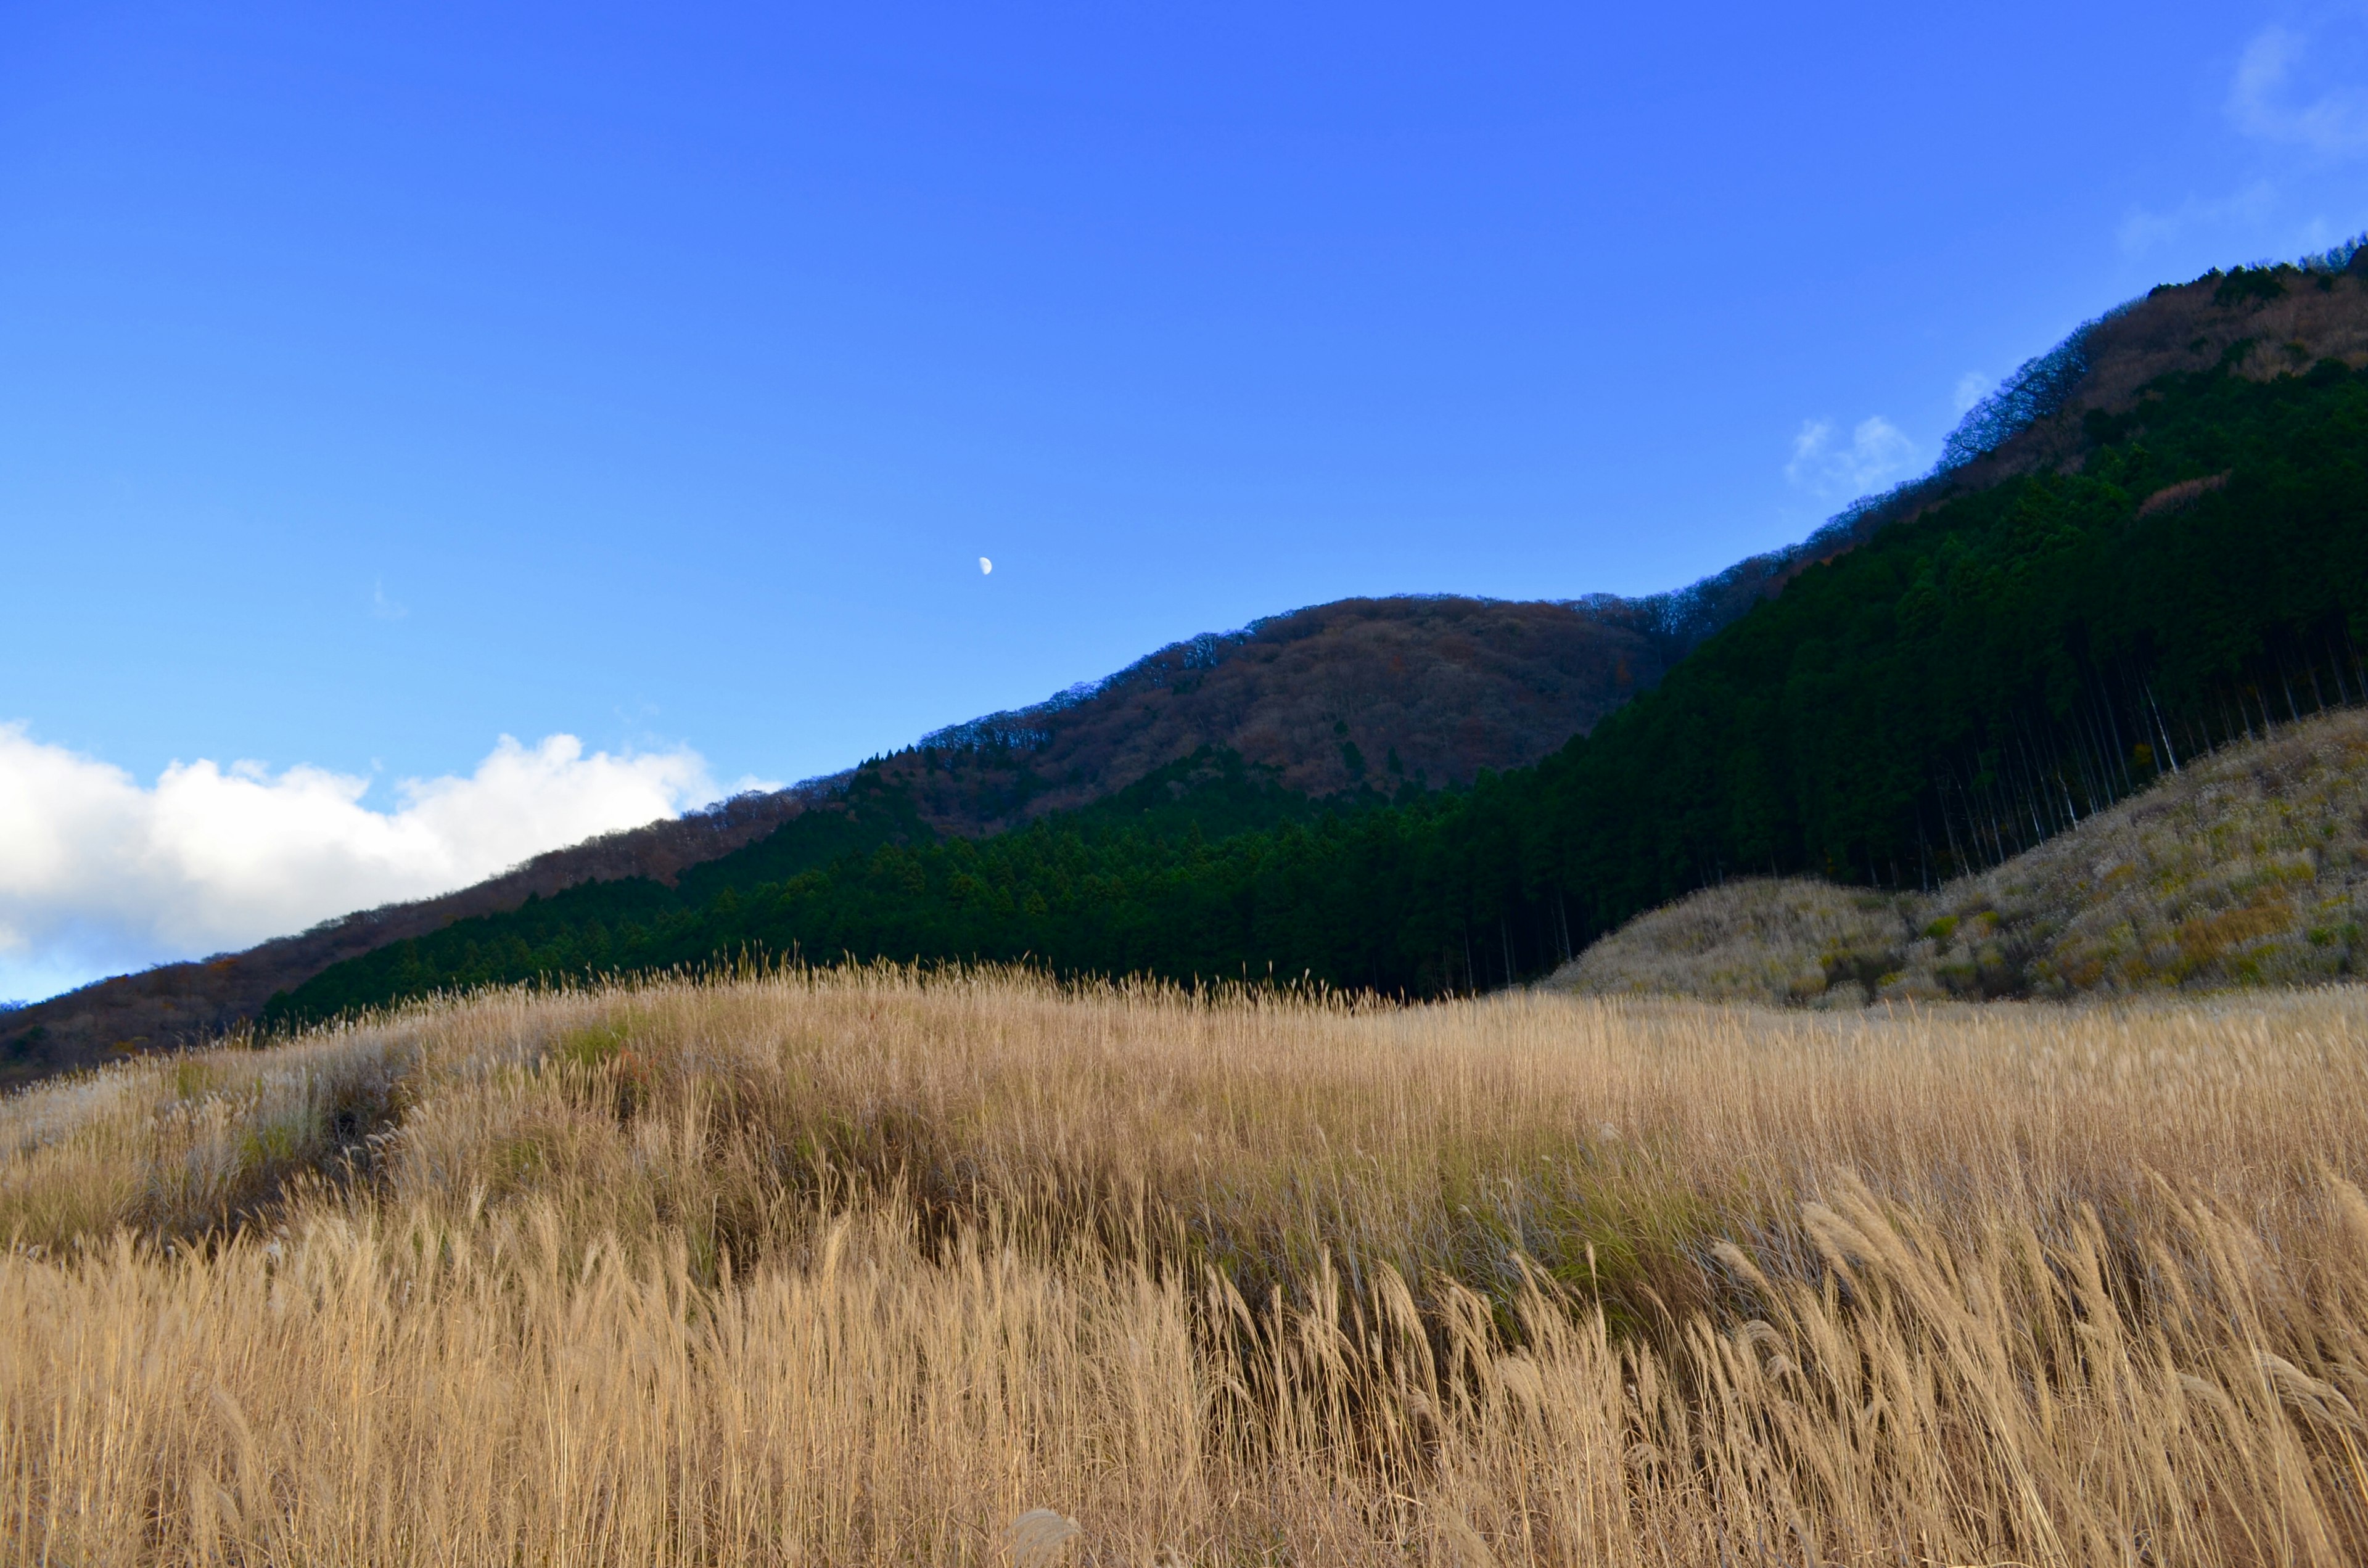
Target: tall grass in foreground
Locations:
point(858, 1267)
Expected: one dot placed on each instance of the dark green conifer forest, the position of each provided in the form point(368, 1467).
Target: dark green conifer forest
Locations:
point(1970, 680)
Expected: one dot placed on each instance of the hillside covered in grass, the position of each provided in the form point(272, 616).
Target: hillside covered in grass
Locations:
point(2248, 867)
point(860, 1266)
point(1965, 684)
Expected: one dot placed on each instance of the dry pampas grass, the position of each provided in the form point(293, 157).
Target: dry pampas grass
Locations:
point(867, 1267)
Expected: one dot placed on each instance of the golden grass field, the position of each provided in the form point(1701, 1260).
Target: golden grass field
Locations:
point(859, 1267)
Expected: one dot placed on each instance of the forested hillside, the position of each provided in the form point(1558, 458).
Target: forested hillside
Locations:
point(1971, 679)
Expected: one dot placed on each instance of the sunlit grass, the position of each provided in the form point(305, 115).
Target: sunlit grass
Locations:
point(860, 1267)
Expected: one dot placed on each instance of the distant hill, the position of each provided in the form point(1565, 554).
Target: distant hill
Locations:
point(2248, 867)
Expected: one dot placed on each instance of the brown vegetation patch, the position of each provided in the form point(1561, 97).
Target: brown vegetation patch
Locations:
point(2172, 497)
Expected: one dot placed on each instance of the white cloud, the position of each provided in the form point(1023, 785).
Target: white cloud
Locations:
point(2261, 98)
point(1972, 387)
point(385, 608)
point(100, 874)
point(1878, 450)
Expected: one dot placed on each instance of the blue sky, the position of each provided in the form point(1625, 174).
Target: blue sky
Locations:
point(376, 381)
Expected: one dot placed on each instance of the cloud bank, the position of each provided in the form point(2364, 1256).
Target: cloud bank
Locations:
point(100, 874)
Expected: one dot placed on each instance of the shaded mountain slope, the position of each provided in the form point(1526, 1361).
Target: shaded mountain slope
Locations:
point(2248, 867)
point(2257, 323)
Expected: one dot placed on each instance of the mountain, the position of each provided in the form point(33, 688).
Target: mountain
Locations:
point(2138, 537)
point(2246, 867)
point(2008, 649)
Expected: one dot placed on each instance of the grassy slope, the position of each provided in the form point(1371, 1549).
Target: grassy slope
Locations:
point(850, 1268)
point(2249, 867)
